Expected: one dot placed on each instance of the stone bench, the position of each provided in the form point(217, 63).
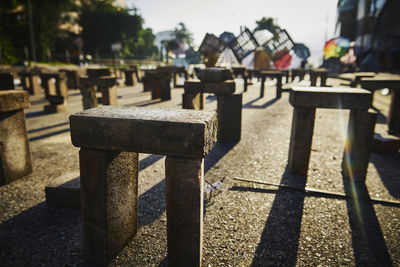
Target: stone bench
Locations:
point(298, 72)
point(355, 77)
point(55, 91)
point(30, 82)
point(72, 78)
point(159, 83)
point(320, 73)
point(273, 74)
point(15, 157)
point(177, 72)
point(242, 71)
point(360, 130)
point(6, 81)
point(393, 84)
point(108, 87)
point(130, 76)
point(229, 104)
point(110, 139)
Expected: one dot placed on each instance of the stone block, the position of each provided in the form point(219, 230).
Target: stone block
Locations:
point(214, 75)
point(15, 157)
point(130, 77)
point(226, 87)
point(6, 81)
point(229, 112)
point(301, 140)
point(358, 145)
point(30, 82)
point(184, 133)
point(13, 100)
point(109, 184)
point(184, 193)
point(330, 97)
point(72, 78)
point(55, 108)
point(193, 101)
point(386, 144)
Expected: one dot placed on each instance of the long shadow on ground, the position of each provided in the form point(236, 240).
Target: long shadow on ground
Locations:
point(387, 166)
point(368, 242)
point(250, 104)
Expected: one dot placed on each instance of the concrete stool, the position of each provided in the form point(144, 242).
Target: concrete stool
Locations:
point(6, 81)
point(229, 106)
point(359, 134)
point(179, 71)
point(241, 71)
point(393, 84)
point(15, 157)
point(159, 83)
point(108, 87)
point(110, 139)
point(274, 74)
point(30, 82)
point(72, 78)
point(285, 73)
point(55, 91)
point(99, 72)
point(318, 73)
point(130, 76)
point(299, 72)
point(355, 77)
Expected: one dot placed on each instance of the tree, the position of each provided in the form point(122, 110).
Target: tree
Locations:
point(183, 34)
point(267, 24)
point(105, 24)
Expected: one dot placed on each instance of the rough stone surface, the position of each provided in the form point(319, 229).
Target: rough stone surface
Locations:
point(226, 87)
point(329, 97)
point(109, 185)
point(184, 195)
point(15, 156)
point(301, 140)
point(358, 146)
point(183, 133)
point(13, 100)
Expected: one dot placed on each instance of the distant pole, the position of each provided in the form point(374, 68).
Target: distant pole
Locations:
point(32, 37)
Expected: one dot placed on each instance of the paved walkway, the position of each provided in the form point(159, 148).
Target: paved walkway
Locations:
point(245, 223)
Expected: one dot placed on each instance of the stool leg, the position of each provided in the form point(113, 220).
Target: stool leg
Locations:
point(278, 87)
point(394, 113)
point(358, 146)
point(301, 140)
point(184, 193)
point(229, 111)
point(109, 191)
point(262, 87)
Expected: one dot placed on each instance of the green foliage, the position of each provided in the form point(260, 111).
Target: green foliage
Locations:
point(183, 34)
point(104, 24)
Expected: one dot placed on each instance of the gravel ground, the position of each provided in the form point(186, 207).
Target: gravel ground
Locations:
point(245, 223)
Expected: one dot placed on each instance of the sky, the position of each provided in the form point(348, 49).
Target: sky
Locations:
point(311, 22)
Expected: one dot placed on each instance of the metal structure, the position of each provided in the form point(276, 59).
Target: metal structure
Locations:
point(243, 45)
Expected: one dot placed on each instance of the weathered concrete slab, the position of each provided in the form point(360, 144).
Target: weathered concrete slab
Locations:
point(183, 133)
point(15, 157)
point(226, 87)
point(214, 74)
point(330, 97)
point(13, 100)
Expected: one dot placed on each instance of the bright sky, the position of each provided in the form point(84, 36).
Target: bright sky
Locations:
point(307, 21)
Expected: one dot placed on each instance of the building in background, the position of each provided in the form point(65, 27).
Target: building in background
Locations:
point(374, 25)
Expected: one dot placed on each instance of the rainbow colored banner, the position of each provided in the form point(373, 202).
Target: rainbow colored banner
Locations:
point(336, 47)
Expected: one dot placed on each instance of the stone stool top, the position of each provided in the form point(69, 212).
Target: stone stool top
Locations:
point(100, 81)
point(13, 100)
point(380, 82)
point(330, 97)
point(224, 88)
point(215, 74)
point(183, 133)
point(271, 73)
